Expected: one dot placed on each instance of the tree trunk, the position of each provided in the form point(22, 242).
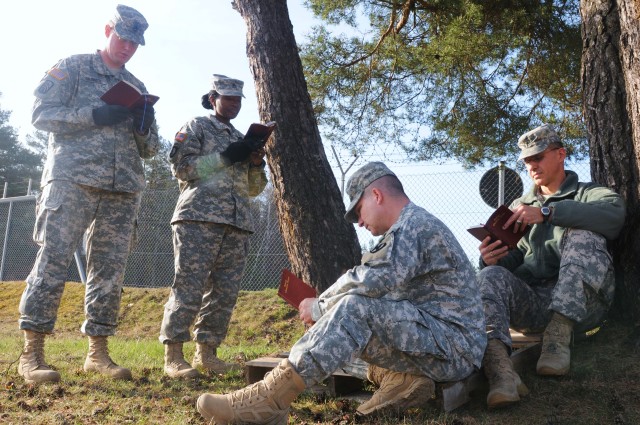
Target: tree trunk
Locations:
point(320, 243)
point(610, 81)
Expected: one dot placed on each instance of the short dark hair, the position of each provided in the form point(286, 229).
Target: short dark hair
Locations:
point(390, 183)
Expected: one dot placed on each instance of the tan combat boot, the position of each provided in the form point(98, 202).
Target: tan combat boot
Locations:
point(265, 402)
point(397, 391)
point(98, 360)
point(175, 366)
point(555, 357)
point(206, 358)
point(32, 366)
point(505, 386)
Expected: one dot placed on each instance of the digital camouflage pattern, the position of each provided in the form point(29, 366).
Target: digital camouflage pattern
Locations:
point(226, 86)
point(209, 262)
point(211, 190)
point(359, 181)
point(106, 157)
point(537, 140)
point(211, 227)
point(413, 305)
point(63, 212)
point(129, 24)
point(91, 182)
point(583, 290)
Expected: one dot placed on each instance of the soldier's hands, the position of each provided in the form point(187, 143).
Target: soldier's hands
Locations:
point(306, 310)
point(257, 157)
point(236, 152)
point(110, 114)
point(491, 252)
point(143, 118)
point(254, 142)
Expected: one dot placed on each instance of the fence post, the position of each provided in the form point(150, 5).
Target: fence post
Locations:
point(80, 266)
point(6, 187)
point(6, 239)
point(501, 168)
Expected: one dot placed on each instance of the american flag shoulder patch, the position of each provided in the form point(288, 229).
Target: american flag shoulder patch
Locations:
point(58, 73)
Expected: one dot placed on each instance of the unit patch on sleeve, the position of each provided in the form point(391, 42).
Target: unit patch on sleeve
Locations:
point(45, 86)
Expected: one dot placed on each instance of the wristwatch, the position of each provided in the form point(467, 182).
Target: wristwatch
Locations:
point(546, 213)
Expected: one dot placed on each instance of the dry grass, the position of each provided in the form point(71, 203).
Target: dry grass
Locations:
point(602, 388)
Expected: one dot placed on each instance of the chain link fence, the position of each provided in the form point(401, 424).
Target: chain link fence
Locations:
point(448, 191)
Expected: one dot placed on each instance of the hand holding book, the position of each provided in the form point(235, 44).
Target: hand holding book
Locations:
point(494, 228)
point(258, 134)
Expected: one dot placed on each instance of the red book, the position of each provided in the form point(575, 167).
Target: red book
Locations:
point(258, 133)
point(293, 289)
point(126, 94)
point(494, 228)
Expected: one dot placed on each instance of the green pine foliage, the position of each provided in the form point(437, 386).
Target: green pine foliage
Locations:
point(19, 162)
point(445, 79)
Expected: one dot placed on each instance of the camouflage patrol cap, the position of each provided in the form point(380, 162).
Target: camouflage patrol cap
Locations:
point(129, 24)
point(359, 181)
point(537, 140)
point(226, 86)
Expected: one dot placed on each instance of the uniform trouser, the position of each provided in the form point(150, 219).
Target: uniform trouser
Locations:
point(391, 334)
point(64, 212)
point(583, 291)
point(209, 263)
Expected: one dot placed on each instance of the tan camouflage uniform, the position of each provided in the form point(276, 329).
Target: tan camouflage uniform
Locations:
point(413, 306)
point(211, 226)
point(92, 181)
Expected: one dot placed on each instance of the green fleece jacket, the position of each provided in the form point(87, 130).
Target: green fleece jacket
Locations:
point(577, 205)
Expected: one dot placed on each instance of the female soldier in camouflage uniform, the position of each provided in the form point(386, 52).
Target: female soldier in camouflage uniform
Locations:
point(217, 173)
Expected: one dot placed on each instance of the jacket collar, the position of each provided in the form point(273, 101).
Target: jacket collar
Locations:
point(567, 189)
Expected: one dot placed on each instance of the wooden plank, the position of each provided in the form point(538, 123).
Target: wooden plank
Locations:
point(519, 340)
point(449, 395)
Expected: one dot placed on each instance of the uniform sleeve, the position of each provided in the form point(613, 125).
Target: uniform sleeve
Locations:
point(599, 210)
point(149, 144)
point(186, 158)
point(257, 179)
point(55, 109)
point(393, 262)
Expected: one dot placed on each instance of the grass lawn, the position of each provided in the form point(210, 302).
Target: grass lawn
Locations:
point(603, 386)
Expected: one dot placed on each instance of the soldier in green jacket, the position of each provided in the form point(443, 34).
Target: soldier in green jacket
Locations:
point(560, 278)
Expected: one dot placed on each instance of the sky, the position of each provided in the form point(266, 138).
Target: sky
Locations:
point(187, 41)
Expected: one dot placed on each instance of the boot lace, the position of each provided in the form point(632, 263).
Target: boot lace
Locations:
point(260, 390)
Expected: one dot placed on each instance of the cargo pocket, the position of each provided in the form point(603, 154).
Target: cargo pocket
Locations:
point(50, 199)
point(586, 258)
point(415, 338)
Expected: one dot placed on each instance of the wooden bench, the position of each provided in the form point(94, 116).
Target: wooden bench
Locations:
point(449, 395)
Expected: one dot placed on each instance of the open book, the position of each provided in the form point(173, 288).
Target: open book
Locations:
point(126, 94)
point(258, 134)
point(494, 228)
point(293, 289)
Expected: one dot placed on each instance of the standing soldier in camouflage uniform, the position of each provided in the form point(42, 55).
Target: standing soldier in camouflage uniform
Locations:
point(559, 277)
point(217, 173)
point(92, 181)
point(411, 310)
